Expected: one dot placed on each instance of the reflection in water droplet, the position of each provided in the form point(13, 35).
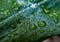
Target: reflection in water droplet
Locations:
point(31, 0)
point(41, 23)
point(48, 30)
point(46, 11)
point(9, 35)
point(25, 30)
point(55, 20)
point(32, 26)
point(7, 12)
point(13, 26)
point(41, 30)
point(15, 3)
point(51, 15)
point(54, 29)
point(1, 9)
point(16, 8)
point(14, 33)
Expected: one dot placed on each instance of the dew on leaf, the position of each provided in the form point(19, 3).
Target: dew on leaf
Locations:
point(54, 29)
point(2, 13)
point(46, 11)
point(7, 12)
point(31, 0)
point(32, 26)
point(42, 6)
point(16, 8)
point(41, 30)
point(13, 26)
point(50, 15)
point(25, 30)
point(1, 9)
point(55, 20)
point(9, 35)
point(41, 23)
point(48, 30)
point(14, 33)
point(15, 3)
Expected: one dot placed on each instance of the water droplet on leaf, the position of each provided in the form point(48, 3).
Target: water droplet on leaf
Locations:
point(41, 23)
point(32, 26)
point(41, 30)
